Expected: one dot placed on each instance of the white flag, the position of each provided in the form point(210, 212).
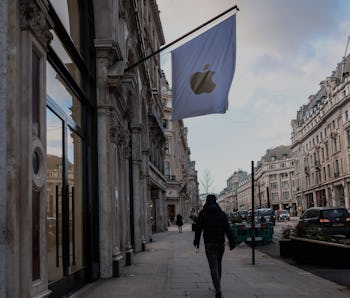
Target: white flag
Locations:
point(202, 72)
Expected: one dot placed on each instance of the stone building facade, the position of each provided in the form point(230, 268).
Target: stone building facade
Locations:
point(227, 198)
point(321, 143)
point(273, 183)
point(274, 180)
point(244, 194)
point(182, 184)
point(81, 140)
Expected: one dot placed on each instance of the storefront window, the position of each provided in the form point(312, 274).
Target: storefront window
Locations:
point(68, 13)
point(62, 95)
point(61, 52)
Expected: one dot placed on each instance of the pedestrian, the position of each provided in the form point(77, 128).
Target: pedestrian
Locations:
point(179, 222)
point(214, 224)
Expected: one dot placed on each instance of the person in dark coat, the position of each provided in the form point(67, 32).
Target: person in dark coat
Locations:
point(179, 222)
point(214, 224)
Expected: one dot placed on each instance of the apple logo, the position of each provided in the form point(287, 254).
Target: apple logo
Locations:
point(201, 82)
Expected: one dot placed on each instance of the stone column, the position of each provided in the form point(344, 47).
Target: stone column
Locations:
point(3, 143)
point(105, 196)
point(164, 211)
point(346, 195)
point(117, 212)
point(125, 169)
point(146, 199)
point(105, 188)
point(136, 171)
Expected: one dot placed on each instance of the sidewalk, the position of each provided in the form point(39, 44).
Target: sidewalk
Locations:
point(171, 268)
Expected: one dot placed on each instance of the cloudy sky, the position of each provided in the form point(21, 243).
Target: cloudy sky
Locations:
point(284, 49)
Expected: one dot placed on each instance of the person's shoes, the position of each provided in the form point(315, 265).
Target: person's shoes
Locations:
point(218, 295)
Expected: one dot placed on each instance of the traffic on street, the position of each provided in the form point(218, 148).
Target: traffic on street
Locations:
point(337, 274)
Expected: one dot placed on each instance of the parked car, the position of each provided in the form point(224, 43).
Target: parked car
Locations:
point(330, 220)
point(243, 214)
point(266, 214)
point(283, 215)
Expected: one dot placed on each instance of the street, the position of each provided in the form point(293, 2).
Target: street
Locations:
point(339, 275)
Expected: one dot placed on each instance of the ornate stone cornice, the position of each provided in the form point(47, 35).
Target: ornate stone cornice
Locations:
point(35, 17)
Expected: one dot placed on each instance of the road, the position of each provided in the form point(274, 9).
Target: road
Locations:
point(340, 275)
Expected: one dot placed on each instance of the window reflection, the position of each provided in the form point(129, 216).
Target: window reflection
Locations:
point(75, 201)
point(60, 51)
point(62, 95)
point(68, 12)
point(54, 196)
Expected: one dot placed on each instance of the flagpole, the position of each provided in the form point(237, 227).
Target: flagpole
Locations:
point(182, 37)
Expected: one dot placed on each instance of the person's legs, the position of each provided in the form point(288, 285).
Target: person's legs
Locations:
point(220, 254)
point(211, 251)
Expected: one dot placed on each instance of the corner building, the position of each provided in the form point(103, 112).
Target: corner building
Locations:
point(321, 143)
point(274, 180)
point(81, 142)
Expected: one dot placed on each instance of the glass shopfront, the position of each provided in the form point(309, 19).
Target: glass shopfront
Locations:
point(70, 148)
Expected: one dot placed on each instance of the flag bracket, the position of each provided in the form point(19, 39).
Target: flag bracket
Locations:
point(182, 37)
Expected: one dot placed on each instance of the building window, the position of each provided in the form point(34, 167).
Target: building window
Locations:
point(335, 145)
point(348, 136)
point(273, 158)
point(166, 147)
point(336, 172)
point(322, 153)
point(273, 185)
point(273, 177)
point(329, 171)
point(346, 115)
point(70, 114)
point(166, 169)
point(285, 195)
point(285, 184)
point(274, 196)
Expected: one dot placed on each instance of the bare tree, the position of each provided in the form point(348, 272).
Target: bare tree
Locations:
point(206, 181)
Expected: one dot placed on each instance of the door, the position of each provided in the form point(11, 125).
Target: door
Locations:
point(65, 195)
point(171, 212)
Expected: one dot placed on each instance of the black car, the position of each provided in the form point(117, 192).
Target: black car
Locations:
point(330, 220)
point(266, 215)
point(243, 214)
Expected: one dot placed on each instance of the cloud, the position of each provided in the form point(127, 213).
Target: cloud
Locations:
point(284, 49)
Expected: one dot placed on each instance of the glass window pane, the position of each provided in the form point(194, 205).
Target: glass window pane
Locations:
point(62, 95)
point(68, 12)
point(54, 196)
point(61, 52)
point(75, 171)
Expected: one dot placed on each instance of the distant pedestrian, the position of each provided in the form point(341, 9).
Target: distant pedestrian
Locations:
point(214, 224)
point(179, 222)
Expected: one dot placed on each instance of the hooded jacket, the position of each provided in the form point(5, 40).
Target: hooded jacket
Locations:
point(214, 224)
